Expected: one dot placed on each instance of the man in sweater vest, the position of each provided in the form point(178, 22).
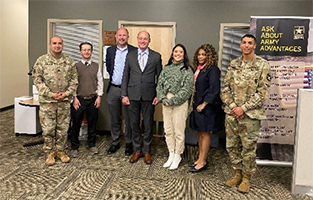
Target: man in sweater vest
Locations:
point(87, 98)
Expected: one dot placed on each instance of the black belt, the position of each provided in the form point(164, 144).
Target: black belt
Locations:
point(87, 97)
point(119, 86)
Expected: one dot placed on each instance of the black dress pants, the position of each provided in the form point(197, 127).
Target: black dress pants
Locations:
point(86, 106)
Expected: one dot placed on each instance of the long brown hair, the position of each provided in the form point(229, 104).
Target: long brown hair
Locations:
point(185, 59)
point(211, 56)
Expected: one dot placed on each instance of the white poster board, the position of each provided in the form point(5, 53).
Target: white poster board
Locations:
point(302, 181)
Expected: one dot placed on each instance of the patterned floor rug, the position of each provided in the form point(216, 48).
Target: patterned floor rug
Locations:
point(24, 176)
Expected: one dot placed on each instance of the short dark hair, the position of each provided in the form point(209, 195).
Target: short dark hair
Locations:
point(249, 36)
point(83, 43)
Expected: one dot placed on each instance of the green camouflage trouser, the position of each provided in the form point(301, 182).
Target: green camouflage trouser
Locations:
point(241, 142)
point(54, 120)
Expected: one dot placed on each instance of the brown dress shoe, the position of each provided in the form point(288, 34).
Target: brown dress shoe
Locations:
point(148, 159)
point(135, 157)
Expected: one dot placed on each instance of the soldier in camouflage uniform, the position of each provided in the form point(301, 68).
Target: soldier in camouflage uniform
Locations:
point(246, 87)
point(55, 77)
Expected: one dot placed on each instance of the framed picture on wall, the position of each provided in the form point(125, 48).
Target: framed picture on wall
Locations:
point(109, 38)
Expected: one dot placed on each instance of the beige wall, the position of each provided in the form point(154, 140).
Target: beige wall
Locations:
point(14, 50)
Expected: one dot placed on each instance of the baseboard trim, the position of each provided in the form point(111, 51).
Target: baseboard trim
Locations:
point(6, 108)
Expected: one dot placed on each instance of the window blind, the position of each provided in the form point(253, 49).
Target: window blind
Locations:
point(74, 32)
point(230, 45)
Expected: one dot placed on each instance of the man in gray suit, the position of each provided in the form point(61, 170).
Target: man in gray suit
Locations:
point(141, 72)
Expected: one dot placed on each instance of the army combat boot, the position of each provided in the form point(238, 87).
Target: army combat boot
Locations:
point(244, 186)
point(63, 157)
point(50, 158)
point(235, 180)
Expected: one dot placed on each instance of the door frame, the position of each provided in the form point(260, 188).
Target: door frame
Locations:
point(172, 25)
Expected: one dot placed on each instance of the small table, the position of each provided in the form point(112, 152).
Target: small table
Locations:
point(29, 102)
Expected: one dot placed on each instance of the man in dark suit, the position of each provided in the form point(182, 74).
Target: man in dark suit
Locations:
point(115, 62)
point(142, 69)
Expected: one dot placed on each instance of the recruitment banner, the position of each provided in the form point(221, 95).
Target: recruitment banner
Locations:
point(281, 37)
point(287, 43)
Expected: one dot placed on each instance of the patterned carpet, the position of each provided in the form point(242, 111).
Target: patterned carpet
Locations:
point(24, 176)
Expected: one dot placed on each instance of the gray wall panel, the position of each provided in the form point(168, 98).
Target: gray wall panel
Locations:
point(198, 22)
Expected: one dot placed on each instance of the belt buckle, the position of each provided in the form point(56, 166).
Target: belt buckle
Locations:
point(88, 97)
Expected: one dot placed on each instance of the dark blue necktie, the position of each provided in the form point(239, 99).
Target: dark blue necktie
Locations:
point(86, 63)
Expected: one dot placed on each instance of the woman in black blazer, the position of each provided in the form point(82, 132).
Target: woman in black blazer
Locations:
point(207, 114)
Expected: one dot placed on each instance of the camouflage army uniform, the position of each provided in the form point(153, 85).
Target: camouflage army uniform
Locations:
point(245, 85)
point(51, 75)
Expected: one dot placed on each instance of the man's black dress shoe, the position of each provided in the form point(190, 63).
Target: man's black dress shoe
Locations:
point(113, 149)
point(194, 170)
point(128, 149)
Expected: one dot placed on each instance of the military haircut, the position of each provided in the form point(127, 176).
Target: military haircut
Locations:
point(249, 36)
point(55, 36)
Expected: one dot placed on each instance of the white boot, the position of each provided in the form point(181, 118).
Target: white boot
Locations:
point(169, 160)
point(176, 161)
